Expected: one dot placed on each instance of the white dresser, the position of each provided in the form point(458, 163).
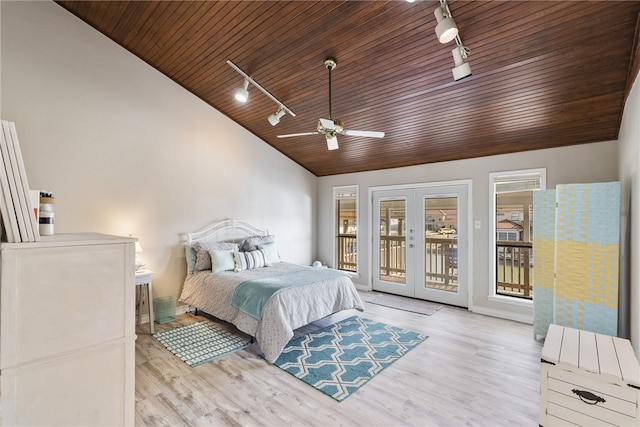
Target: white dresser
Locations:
point(67, 331)
point(588, 379)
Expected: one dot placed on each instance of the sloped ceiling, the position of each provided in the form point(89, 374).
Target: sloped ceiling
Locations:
point(545, 73)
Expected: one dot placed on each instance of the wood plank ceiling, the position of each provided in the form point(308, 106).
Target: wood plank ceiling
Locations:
point(545, 73)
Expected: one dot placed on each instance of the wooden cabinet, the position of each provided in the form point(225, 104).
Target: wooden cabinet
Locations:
point(67, 331)
point(588, 379)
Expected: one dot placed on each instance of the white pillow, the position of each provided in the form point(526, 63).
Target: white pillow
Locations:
point(222, 260)
point(249, 260)
point(271, 255)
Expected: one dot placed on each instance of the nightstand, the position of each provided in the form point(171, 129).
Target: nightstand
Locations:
point(144, 277)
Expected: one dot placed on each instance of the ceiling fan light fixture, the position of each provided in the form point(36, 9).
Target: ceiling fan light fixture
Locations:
point(242, 94)
point(274, 118)
point(462, 68)
point(332, 141)
point(446, 29)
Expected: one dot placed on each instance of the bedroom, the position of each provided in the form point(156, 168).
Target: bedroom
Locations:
point(87, 113)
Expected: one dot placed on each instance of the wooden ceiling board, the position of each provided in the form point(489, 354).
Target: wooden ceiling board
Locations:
point(545, 73)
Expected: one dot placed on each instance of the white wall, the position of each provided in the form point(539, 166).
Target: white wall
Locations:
point(582, 163)
point(629, 140)
point(127, 151)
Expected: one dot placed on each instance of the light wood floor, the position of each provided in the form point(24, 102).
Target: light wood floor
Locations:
point(473, 370)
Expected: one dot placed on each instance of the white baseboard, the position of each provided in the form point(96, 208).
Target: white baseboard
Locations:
point(522, 318)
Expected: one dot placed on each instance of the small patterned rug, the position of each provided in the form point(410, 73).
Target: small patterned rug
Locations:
point(406, 304)
point(201, 342)
point(341, 358)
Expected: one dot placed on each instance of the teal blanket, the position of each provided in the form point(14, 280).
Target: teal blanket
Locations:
point(251, 296)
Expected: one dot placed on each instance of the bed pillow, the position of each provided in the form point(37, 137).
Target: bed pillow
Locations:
point(190, 255)
point(251, 243)
point(249, 260)
point(222, 260)
point(270, 253)
point(203, 259)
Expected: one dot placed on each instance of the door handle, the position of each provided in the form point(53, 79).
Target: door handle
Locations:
point(410, 245)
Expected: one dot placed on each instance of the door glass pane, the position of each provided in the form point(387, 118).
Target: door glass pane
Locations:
point(393, 251)
point(441, 243)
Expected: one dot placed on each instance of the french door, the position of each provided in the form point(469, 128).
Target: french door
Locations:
point(420, 242)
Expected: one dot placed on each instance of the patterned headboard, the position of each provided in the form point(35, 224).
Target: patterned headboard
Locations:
point(230, 230)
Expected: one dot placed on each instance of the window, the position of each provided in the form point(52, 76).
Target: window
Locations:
point(346, 228)
point(513, 222)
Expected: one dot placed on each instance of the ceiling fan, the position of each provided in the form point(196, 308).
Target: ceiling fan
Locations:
point(330, 128)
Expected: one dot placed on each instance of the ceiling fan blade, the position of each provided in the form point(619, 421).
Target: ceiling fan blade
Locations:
point(371, 134)
point(328, 124)
point(298, 134)
point(332, 141)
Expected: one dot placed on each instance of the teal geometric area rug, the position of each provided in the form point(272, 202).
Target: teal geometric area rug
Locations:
point(201, 342)
point(341, 358)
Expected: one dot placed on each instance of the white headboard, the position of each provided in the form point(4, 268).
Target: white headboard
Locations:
point(229, 230)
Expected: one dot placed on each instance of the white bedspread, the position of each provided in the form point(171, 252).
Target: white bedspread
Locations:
point(286, 310)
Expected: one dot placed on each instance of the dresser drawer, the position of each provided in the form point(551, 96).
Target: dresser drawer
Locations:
point(588, 400)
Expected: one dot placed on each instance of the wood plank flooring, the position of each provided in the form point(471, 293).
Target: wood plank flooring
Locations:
point(473, 370)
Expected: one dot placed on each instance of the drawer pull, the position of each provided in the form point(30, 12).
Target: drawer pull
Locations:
point(588, 397)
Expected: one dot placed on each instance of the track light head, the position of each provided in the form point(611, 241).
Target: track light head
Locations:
point(446, 30)
point(242, 94)
point(462, 68)
point(274, 118)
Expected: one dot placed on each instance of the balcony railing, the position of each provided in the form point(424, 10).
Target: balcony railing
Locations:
point(441, 259)
point(514, 263)
point(347, 252)
point(514, 269)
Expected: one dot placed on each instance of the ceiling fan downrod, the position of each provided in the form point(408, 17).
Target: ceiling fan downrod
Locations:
point(331, 64)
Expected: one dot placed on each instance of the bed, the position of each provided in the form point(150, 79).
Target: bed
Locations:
point(244, 282)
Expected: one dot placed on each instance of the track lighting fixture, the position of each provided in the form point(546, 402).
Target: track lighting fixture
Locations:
point(274, 118)
point(242, 94)
point(462, 68)
point(446, 29)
